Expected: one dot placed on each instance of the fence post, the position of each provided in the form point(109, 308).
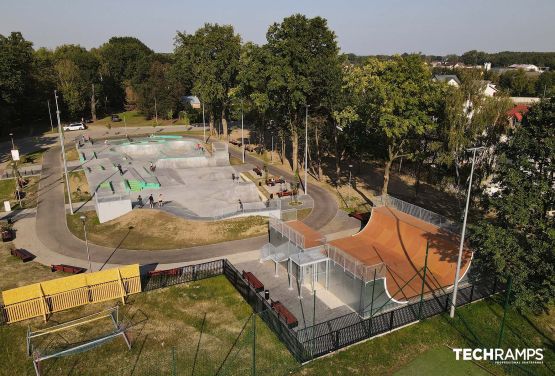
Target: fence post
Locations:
point(494, 285)
point(471, 293)
point(423, 282)
point(391, 320)
point(194, 273)
point(506, 305)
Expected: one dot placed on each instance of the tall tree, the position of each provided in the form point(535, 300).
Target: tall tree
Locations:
point(396, 100)
point(16, 60)
point(304, 71)
point(212, 55)
point(519, 238)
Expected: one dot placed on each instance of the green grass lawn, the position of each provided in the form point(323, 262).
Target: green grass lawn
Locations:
point(133, 119)
point(7, 193)
point(436, 361)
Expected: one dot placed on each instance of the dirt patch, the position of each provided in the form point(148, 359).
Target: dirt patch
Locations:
point(149, 229)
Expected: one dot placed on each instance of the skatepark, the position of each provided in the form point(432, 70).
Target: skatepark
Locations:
point(190, 179)
point(402, 254)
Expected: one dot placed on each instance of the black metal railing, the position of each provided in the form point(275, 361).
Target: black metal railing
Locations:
point(182, 274)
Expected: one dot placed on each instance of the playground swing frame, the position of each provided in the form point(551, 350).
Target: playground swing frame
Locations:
point(119, 330)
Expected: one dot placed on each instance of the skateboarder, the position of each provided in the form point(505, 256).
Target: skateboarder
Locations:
point(120, 169)
point(151, 201)
point(160, 201)
point(140, 201)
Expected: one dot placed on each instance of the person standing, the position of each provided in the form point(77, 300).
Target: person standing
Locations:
point(151, 201)
point(120, 169)
point(160, 200)
point(140, 201)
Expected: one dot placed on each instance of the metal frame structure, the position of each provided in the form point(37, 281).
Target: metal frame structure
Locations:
point(309, 257)
point(119, 330)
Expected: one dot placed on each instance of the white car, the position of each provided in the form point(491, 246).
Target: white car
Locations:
point(74, 127)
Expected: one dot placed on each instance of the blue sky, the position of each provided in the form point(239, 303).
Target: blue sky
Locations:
point(362, 27)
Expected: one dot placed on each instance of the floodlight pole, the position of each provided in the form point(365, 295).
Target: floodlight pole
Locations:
point(60, 130)
point(306, 151)
point(50, 115)
point(84, 220)
point(242, 130)
point(155, 110)
point(125, 125)
point(461, 246)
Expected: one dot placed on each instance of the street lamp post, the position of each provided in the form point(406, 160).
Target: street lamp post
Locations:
point(350, 167)
point(13, 144)
point(125, 126)
point(306, 151)
point(63, 152)
point(461, 245)
point(15, 173)
point(155, 110)
point(242, 130)
point(84, 220)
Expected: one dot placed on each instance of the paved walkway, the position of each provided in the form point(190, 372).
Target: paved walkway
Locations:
point(52, 231)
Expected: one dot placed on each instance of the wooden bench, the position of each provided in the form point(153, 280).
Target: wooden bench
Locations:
point(23, 254)
point(253, 281)
point(258, 171)
point(173, 272)
point(67, 269)
point(285, 194)
point(284, 314)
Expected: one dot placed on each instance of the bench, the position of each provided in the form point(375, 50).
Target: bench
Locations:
point(8, 235)
point(23, 254)
point(363, 217)
point(285, 194)
point(253, 281)
point(284, 314)
point(67, 269)
point(174, 272)
point(258, 171)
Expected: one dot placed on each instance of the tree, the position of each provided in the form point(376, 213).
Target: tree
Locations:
point(120, 59)
point(212, 55)
point(396, 100)
point(519, 239)
point(545, 85)
point(304, 70)
point(16, 59)
point(517, 83)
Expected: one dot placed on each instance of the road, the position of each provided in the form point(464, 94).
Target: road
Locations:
point(53, 232)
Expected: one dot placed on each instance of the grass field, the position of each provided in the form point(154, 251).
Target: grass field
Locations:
point(436, 361)
point(156, 230)
point(7, 193)
point(72, 154)
point(133, 119)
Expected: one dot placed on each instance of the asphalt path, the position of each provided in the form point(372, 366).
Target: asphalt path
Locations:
point(52, 230)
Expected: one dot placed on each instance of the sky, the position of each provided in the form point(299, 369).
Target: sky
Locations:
point(362, 27)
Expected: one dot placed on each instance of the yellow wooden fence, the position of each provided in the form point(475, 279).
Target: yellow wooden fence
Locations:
point(44, 298)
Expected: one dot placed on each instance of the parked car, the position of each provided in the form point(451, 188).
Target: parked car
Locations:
point(75, 127)
point(116, 118)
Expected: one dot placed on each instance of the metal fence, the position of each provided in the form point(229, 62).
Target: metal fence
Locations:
point(337, 333)
point(182, 274)
point(418, 212)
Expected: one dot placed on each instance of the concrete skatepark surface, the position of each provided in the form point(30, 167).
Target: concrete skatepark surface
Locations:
point(399, 241)
point(55, 235)
point(191, 181)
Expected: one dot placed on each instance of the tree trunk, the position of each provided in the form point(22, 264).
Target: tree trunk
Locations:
point(295, 147)
point(282, 154)
point(93, 105)
point(387, 171)
point(318, 159)
point(211, 123)
point(224, 125)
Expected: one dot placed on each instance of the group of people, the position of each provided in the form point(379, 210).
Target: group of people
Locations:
point(151, 202)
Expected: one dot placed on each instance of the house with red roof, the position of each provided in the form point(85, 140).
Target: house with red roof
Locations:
point(516, 114)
